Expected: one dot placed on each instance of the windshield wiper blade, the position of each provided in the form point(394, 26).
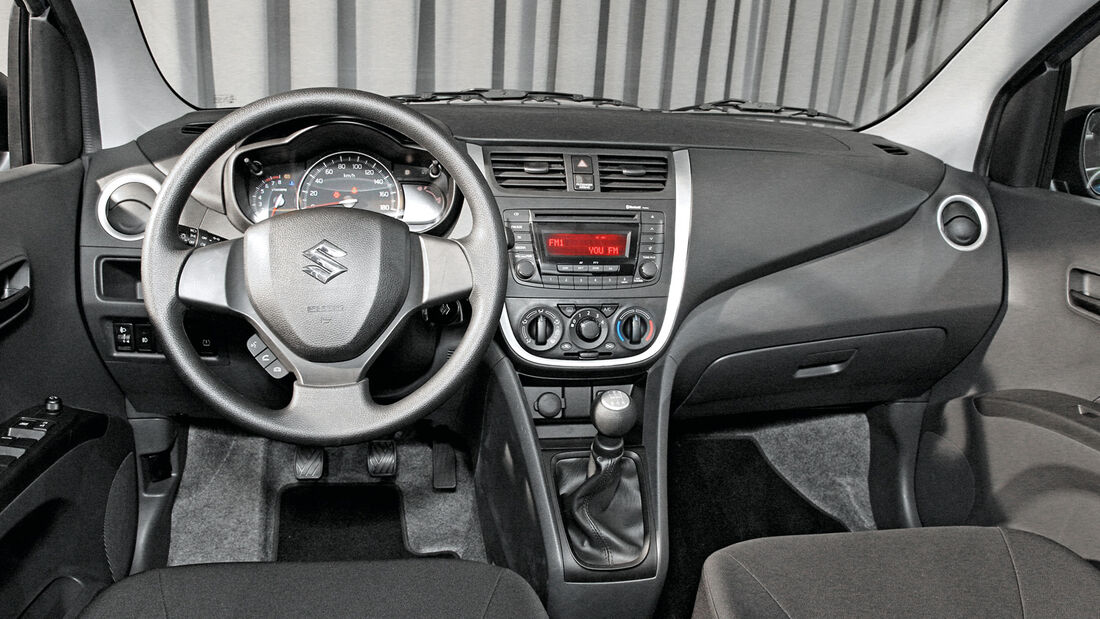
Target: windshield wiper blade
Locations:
point(757, 107)
point(490, 95)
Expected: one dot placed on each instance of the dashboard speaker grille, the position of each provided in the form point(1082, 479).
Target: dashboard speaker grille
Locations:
point(529, 171)
point(633, 172)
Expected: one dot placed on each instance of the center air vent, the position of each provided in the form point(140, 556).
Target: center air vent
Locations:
point(531, 171)
point(633, 172)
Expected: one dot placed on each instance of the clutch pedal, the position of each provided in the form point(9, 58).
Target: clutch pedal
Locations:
point(309, 463)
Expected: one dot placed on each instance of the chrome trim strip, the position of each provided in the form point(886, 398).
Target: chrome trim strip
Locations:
point(983, 221)
point(682, 165)
point(110, 188)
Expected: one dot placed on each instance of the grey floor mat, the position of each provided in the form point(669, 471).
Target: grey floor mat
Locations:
point(227, 506)
point(826, 458)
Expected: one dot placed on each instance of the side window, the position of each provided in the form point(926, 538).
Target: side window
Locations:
point(1077, 164)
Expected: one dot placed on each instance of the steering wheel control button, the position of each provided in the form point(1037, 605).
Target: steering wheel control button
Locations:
point(540, 329)
point(276, 369)
point(255, 345)
point(265, 358)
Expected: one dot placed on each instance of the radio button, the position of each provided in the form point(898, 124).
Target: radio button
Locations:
point(648, 269)
point(646, 238)
point(523, 247)
point(516, 226)
point(624, 281)
point(566, 281)
point(567, 268)
point(583, 268)
point(651, 217)
point(653, 228)
point(550, 281)
point(651, 249)
point(525, 237)
point(517, 215)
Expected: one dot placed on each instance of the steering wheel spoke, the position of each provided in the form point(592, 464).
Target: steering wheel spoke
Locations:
point(212, 278)
point(446, 271)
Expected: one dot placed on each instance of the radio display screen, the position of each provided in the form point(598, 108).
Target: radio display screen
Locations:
point(586, 245)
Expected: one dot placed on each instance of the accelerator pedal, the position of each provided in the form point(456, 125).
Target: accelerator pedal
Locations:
point(382, 459)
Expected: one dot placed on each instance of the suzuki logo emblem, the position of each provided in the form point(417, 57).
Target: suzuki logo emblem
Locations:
point(323, 256)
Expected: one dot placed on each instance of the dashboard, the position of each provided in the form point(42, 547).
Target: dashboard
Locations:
point(336, 164)
point(637, 239)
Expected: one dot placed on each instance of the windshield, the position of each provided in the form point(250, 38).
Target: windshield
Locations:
point(855, 59)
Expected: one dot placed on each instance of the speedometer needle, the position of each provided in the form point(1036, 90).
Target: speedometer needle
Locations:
point(346, 203)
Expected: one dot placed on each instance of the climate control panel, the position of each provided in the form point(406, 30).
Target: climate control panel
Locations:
point(584, 330)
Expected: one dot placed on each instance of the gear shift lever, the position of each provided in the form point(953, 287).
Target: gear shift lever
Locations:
point(614, 414)
point(602, 498)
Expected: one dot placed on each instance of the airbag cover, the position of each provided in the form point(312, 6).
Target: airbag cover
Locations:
point(327, 281)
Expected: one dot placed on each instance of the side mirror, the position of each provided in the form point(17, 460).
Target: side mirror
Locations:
point(1077, 167)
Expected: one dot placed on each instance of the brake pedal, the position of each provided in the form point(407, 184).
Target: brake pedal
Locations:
point(309, 463)
point(382, 458)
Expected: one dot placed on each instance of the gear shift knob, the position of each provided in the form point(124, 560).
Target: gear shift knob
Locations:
point(614, 413)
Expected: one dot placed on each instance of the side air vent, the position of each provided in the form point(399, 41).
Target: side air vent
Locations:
point(531, 171)
point(890, 149)
point(195, 128)
point(633, 172)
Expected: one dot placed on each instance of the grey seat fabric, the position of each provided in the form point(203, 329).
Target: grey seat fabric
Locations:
point(930, 572)
point(411, 588)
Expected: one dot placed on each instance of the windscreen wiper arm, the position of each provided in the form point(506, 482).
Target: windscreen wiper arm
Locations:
point(756, 107)
point(490, 95)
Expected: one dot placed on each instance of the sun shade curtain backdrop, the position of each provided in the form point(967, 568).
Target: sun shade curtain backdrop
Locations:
point(854, 58)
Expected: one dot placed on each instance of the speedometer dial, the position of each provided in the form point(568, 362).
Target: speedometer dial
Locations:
point(351, 180)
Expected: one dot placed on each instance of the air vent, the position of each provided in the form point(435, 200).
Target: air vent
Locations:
point(195, 128)
point(890, 149)
point(633, 172)
point(531, 171)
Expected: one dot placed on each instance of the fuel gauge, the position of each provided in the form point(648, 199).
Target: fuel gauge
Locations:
point(424, 203)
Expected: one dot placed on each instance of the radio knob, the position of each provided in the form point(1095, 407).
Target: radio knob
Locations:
point(648, 269)
point(525, 269)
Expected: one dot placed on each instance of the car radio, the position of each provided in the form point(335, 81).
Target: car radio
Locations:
point(585, 249)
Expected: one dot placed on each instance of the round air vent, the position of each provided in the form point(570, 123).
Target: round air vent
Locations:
point(962, 222)
point(124, 205)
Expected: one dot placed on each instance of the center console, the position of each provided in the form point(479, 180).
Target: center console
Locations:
point(596, 275)
point(597, 248)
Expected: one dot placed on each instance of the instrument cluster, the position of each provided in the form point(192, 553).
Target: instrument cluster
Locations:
point(338, 164)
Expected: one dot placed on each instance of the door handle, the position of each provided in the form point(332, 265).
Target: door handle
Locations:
point(15, 289)
point(1083, 290)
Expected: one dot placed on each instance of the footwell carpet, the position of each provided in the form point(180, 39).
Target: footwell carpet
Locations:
point(722, 491)
point(341, 522)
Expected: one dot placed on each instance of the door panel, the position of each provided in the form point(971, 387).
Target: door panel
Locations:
point(1022, 450)
point(46, 350)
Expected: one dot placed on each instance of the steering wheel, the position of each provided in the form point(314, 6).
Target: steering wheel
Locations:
point(325, 289)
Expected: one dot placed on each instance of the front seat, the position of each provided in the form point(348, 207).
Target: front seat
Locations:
point(409, 588)
point(930, 572)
